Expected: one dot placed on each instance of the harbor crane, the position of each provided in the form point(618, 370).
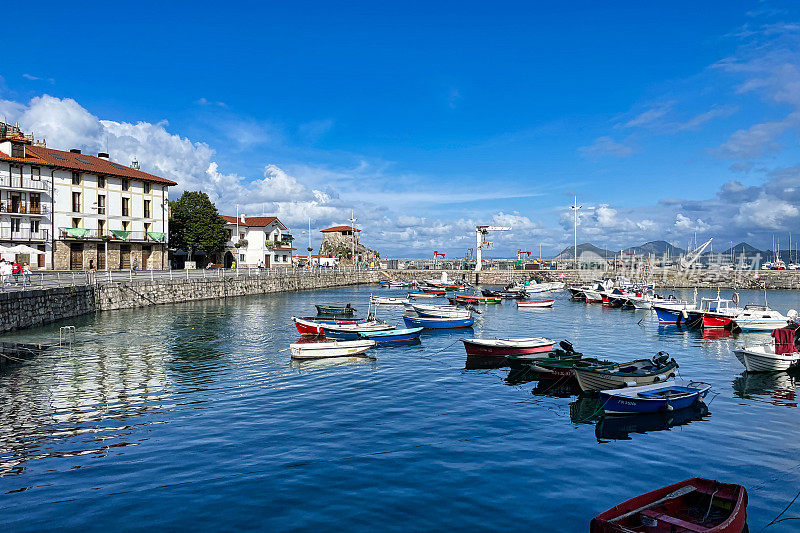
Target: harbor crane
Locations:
point(437, 253)
point(693, 255)
point(481, 242)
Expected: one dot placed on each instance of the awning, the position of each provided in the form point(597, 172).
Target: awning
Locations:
point(156, 235)
point(121, 233)
point(78, 233)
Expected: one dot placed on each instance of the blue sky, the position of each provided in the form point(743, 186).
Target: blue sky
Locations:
point(427, 118)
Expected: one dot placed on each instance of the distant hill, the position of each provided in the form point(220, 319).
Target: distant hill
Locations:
point(743, 246)
point(657, 248)
point(568, 252)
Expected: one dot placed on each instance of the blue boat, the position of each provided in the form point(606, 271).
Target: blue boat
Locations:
point(655, 398)
point(438, 323)
point(667, 314)
point(395, 335)
point(352, 331)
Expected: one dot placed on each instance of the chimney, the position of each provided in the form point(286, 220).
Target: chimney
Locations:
point(102, 155)
point(74, 151)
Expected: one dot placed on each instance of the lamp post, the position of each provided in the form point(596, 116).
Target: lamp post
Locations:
point(309, 241)
point(353, 221)
point(575, 208)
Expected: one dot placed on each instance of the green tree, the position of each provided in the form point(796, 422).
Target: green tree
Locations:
point(195, 224)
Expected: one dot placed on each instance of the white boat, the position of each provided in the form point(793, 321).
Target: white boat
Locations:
point(536, 303)
point(421, 295)
point(762, 358)
point(532, 287)
point(592, 296)
point(760, 318)
point(387, 300)
point(441, 311)
point(319, 350)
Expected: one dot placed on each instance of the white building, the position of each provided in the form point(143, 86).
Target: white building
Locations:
point(263, 241)
point(100, 213)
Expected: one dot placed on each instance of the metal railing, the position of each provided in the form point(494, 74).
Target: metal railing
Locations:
point(23, 234)
point(105, 235)
point(24, 209)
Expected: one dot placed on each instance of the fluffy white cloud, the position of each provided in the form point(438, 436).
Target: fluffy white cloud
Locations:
point(767, 213)
point(686, 224)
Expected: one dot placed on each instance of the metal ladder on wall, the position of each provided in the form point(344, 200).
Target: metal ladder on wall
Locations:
point(66, 336)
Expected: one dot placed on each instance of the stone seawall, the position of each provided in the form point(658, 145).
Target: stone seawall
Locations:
point(25, 309)
point(128, 295)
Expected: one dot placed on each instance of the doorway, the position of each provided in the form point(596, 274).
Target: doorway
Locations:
point(76, 256)
point(40, 257)
point(125, 257)
point(146, 250)
point(228, 259)
point(266, 261)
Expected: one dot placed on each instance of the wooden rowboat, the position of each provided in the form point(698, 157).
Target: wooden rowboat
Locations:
point(478, 299)
point(423, 295)
point(335, 309)
point(655, 398)
point(313, 325)
point(536, 303)
point(504, 347)
point(319, 350)
point(438, 323)
point(697, 504)
point(633, 373)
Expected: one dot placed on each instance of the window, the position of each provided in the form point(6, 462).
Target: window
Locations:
point(36, 203)
point(36, 173)
point(147, 209)
point(147, 228)
point(101, 204)
point(125, 225)
point(101, 182)
point(126, 207)
point(76, 202)
point(17, 150)
point(76, 223)
point(101, 227)
point(241, 258)
point(76, 178)
point(126, 184)
point(34, 227)
point(147, 187)
point(15, 225)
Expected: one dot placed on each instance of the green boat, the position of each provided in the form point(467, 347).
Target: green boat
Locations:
point(563, 368)
point(524, 361)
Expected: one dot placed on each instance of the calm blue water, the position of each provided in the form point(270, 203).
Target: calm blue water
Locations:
point(193, 416)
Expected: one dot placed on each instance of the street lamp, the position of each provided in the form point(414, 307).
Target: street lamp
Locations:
point(309, 241)
point(575, 208)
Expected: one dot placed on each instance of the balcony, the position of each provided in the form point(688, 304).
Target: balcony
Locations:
point(23, 235)
point(23, 208)
point(16, 182)
point(278, 245)
point(114, 235)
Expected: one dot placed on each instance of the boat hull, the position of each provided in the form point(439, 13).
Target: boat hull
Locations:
point(335, 310)
point(313, 326)
point(630, 401)
point(536, 304)
point(438, 323)
point(392, 337)
point(474, 348)
point(765, 362)
point(324, 350)
point(600, 379)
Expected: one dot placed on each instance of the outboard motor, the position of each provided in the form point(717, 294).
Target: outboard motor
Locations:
point(566, 346)
point(661, 358)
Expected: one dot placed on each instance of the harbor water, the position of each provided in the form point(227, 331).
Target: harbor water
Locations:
point(192, 416)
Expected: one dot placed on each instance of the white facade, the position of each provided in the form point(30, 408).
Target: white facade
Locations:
point(263, 241)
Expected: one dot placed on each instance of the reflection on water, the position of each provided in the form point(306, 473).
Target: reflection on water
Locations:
point(777, 388)
point(588, 409)
point(483, 362)
point(557, 388)
point(309, 365)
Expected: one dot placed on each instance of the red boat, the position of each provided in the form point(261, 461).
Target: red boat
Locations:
point(503, 347)
point(437, 292)
point(313, 325)
point(696, 505)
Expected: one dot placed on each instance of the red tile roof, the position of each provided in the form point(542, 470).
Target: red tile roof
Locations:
point(340, 228)
point(256, 222)
point(38, 155)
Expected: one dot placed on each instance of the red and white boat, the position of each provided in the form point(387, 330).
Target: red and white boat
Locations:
point(536, 303)
point(503, 347)
point(313, 325)
point(716, 312)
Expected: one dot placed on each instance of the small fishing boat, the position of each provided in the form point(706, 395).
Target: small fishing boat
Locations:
point(351, 331)
point(697, 505)
point(313, 325)
point(715, 312)
point(421, 295)
point(435, 292)
point(387, 300)
point(504, 347)
point(335, 309)
point(440, 311)
point(478, 299)
point(761, 318)
point(564, 352)
point(392, 336)
point(630, 374)
point(778, 356)
point(536, 303)
point(673, 311)
point(549, 368)
point(592, 296)
point(531, 287)
point(319, 350)
point(504, 294)
point(438, 323)
point(653, 398)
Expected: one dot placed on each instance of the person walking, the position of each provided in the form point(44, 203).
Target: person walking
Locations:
point(16, 270)
point(26, 274)
point(5, 271)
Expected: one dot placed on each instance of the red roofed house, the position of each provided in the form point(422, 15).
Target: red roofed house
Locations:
point(263, 242)
point(84, 211)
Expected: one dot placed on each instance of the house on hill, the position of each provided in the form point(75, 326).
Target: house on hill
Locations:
point(257, 241)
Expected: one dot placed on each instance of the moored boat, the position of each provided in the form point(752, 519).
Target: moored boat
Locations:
point(536, 303)
point(313, 325)
point(504, 347)
point(715, 312)
point(629, 374)
point(335, 309)
point(762, 358)
point(440, 311)
point(549, 368)
point(387, 300)
point(318, 350)
point(563, 352)
point(653, 398)
point(351, 331)
point(760, 318)
point(421, 295)
point(392, 336)
point(438, 323)
point(697, 504)
point(478, 299)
